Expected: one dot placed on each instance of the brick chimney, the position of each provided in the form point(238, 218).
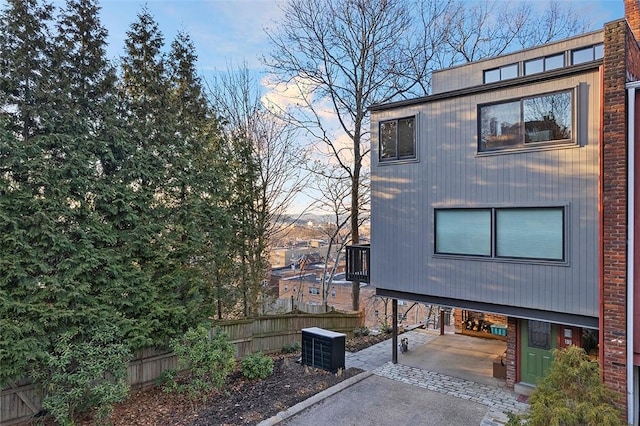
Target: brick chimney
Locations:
point(632, 13)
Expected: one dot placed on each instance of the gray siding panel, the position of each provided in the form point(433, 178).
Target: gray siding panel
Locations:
point(471, 74)
point(450, 173)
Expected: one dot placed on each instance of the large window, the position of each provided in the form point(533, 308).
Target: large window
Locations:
point(526, 122)
point(535, 233)
point(398, 139)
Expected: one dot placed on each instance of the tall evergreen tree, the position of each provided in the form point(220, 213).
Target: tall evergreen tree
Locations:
point(25, 64)
point(141, 214)
point(55, 265)
point(245, 205)
point(30, 245)
point(198, 222)
point(83, 123)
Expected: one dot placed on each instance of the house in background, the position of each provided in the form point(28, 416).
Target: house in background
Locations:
point(511, 190)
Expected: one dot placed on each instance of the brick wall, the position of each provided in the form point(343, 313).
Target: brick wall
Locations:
point(633, 59)
point(512, 352)
point(632, 14)
point(620, 63)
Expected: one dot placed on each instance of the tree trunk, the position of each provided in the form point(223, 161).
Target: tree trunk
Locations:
point(355, 237)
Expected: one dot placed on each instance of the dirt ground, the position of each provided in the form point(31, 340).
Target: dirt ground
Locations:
point(239, 401)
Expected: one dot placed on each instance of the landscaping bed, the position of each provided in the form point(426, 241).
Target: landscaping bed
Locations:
point(239, 401)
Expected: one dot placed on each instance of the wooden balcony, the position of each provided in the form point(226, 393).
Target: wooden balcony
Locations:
point(358, 257)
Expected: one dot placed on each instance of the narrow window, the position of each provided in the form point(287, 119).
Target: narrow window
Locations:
point(546, 63)
point(553, 62)
point(504, 72)
point(534, 66)
point(598, 51)
point(397, 139)
point(587, 54)
point(539, 334)
point(509, 71)
point(491, 76)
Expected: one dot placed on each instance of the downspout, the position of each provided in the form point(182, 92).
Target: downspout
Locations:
point(600, 234)
point(631, 106)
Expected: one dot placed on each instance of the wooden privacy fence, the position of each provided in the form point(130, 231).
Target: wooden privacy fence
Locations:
point(22, 400)
point(281, 306)
point(270, 333)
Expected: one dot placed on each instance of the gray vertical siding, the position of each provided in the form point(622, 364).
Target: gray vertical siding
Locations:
point(450, 173)
point(471, 74)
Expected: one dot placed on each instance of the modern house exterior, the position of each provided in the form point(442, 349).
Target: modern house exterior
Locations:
point(511, 190)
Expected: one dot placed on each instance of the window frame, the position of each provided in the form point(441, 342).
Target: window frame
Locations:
point(523, 145)
point(435, 232)
point(546, 63)
point(500, 71)
point(593, 49)
point(398, 158)
point(493, 232)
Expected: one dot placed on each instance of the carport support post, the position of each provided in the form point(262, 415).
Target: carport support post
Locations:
point(394, 331)
point(442, 322)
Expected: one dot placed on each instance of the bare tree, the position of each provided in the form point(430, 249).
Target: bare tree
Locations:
point(334, 200)
point(484, 29)
point(336, 58)
point(278, 158)
point(343, 56)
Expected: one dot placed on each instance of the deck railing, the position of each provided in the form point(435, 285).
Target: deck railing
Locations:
point(358, 258)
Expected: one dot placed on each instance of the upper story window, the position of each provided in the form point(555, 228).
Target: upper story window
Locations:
point(314, 290)
point(526, 122)
point(546, 63)
point(534, 233)
point(501, 73)
point(587, 54)
point(397, 139)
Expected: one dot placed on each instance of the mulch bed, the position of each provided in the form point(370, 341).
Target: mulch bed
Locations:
point(239, 401)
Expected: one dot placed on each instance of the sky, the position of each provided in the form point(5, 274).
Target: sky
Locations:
point(229, 32)
point(226, 33)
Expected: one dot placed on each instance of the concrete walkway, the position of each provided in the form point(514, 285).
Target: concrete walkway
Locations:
point(428, 351)
point(457, 367)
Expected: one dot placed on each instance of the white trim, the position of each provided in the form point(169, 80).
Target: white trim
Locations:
point(631, 90)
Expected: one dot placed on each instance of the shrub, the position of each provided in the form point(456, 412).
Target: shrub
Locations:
point(257, 366)
point(386, 328)
point(571, 394)
point(290, 348)
point(167, 380)
point(361, 331)
point(84, 371)
point(207, 361)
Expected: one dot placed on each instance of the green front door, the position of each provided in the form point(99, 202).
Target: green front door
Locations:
point(537, 340)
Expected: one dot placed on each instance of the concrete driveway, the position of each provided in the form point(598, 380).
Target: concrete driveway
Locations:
point(381, 401)
point(457, 355)
point(442, 380)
